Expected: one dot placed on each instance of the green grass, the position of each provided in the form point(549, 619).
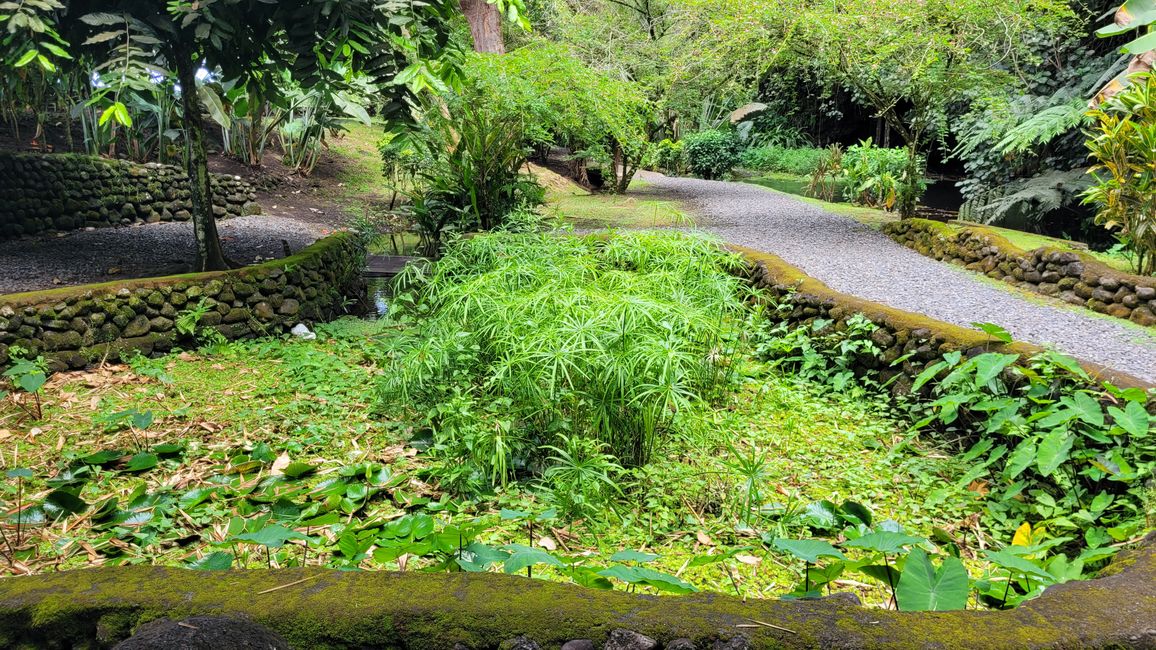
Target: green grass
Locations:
point(583, 209)
point(306, 401)
point(797, 186)
point(790, 184)
point(357, 177)
point(250, 440)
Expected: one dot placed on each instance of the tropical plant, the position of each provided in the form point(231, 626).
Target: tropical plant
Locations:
point(711, 154)
point(603, 339)
point(239, 39)
point(877, 177)
point(911, 62)
point(1123, 146)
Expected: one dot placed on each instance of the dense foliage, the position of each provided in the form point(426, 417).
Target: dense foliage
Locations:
point(711, 154)
point(1123, 147)
point(524, 340)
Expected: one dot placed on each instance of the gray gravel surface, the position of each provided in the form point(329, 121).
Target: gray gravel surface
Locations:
point(855, 259)
point(108, 254)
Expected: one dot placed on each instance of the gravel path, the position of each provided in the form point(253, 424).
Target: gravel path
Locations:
point(107, 254)
point(855, 259)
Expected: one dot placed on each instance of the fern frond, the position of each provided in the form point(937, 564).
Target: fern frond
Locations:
point(1043, 127)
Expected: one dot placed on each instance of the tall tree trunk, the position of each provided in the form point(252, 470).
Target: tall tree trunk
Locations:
point(485, 26)
point(210, 256)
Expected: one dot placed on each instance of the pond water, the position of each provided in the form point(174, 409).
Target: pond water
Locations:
point(379, 292)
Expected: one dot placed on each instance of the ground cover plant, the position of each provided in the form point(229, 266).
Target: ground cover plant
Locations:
point(772, 470)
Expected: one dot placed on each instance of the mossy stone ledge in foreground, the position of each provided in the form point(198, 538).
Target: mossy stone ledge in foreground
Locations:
point(320, 608)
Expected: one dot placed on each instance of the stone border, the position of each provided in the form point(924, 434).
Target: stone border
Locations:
point(900, 332)
point(323, 608)
point(1073, 277)
point(60, 192)
point(75, 326)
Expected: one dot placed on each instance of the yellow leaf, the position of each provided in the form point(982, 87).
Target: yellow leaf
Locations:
point(1023, 536)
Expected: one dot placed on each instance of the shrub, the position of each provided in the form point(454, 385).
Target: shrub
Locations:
point(670, 157)
point(877, 176)
point(711, 154)
point(520, 340)
point(462, 168)
point(1121, 144)
point(798, 161)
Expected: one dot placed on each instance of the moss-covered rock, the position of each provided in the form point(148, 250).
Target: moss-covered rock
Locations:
point(105, 321)
point(1047, 271)
point(317, 608)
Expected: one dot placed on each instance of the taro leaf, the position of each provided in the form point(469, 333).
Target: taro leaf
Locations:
point(59, 503)
point(131, 517)
point(1133, 419)
point(857, 510)
point(351, 548)
point(327, 519)
point(32, 381)
point(218, 561)
point(808, 550)
point(104, 509)
point(588, 577)
point(19, 472)
point(285, 509)
point(821, 515)
point(629, 555)
point(141, 462)
point(886, 574)
point(995, 331)
point(102, 457)
point(923, 588)
point(296, 470)
point(1088, 409)
point(1016, 564)
point(648, 577)
point(273, 536)
point(142, 420)
point(522, 556)
point(513, 514)
point(989, 366)
point(168, 449)
point(479, 557)
point(550, 514)
point(1053, 451)
point(884, 542)
point(33, 516)
point(703, 560)
point(1021, 458)
point(422, 526)
point(195, 497)
point(356, 492)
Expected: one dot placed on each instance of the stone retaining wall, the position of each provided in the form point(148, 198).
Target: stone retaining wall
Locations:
point(75, 326)
point(40, 193)
point(1072, 277)
point(922, 340)
point(320, 609)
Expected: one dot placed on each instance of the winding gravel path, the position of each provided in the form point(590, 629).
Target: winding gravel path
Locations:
point(107, 254)
point(855, 259)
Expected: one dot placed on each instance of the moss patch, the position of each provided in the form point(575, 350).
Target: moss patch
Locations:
point(315, 608)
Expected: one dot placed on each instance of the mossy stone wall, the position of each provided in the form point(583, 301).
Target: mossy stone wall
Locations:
point(60, 192)
point(918, 339)
point(1067, 275)
point(75, 326)
point(327, 609)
